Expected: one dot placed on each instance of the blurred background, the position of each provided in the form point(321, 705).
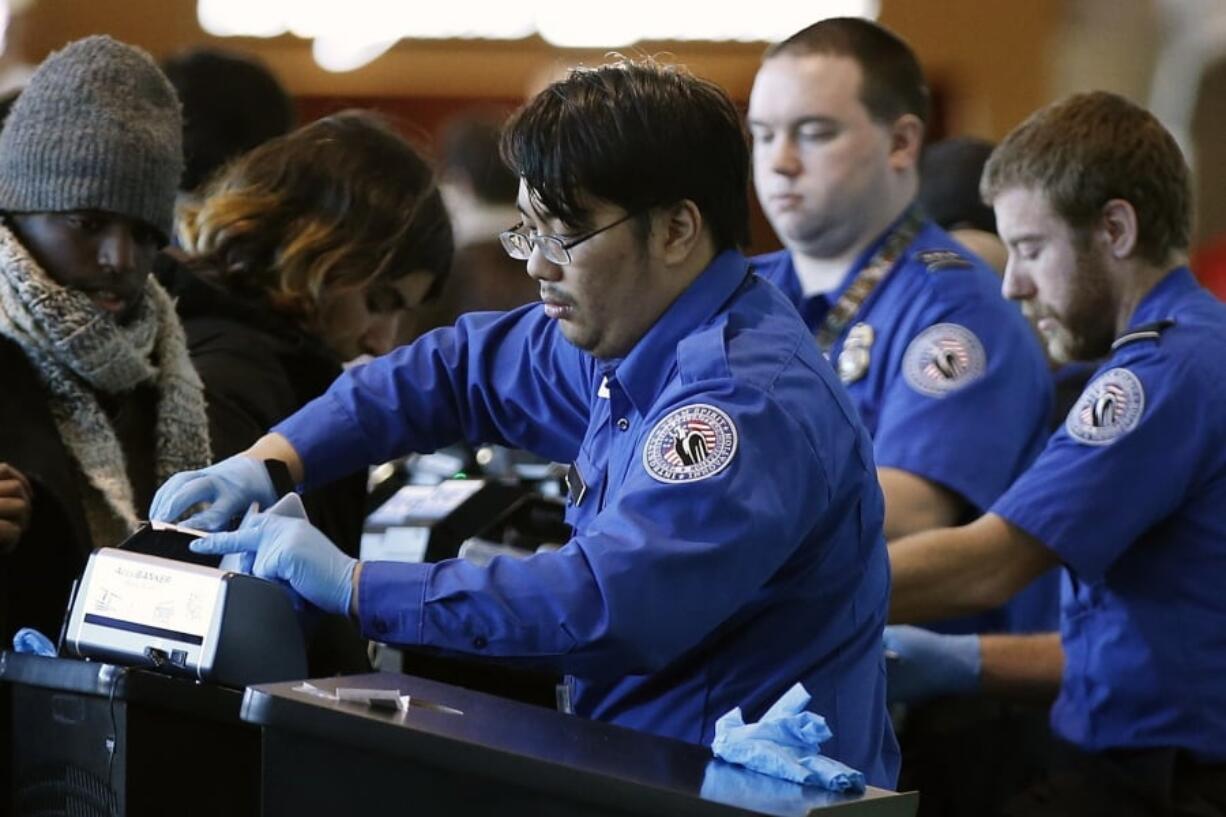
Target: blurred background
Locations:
point(990, 62)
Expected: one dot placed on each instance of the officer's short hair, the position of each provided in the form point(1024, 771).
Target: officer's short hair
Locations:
point(637, 134)
point(1091, 148)
point(893, 80)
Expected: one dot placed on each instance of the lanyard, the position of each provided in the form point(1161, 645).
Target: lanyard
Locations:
point(869, 278)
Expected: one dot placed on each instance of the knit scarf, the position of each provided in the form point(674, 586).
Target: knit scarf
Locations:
point(78, 350)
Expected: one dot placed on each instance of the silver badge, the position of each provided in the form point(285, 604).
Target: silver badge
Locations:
point(942, 359)
point(1109, 408)
point(691, 443)
point(855, 355)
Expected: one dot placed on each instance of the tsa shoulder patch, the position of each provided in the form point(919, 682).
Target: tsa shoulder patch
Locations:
point(1109, 408)
point(942, 359)
point(690, 443)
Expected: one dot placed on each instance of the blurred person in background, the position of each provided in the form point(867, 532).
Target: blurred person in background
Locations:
point(949, 172)
point(231, 103)
point(479, 190)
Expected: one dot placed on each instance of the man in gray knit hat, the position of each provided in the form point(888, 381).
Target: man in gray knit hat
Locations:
point(101, 402)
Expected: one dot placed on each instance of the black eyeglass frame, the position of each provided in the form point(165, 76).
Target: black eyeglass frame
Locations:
point(510, 238)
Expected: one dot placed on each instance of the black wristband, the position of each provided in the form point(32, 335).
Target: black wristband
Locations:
point(278, 472)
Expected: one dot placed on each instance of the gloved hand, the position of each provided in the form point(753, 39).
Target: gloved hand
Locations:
point(785, 744)
point(921, 664)
point(229, 487)
point(293, 551)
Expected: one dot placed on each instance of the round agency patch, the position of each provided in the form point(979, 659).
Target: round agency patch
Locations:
point(942, 359)
point(690, 443)
point(1109, 408)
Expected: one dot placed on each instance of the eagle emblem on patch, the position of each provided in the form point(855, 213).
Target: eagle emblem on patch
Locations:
point(690, 443)
point(942, 359)
point(1109, 408)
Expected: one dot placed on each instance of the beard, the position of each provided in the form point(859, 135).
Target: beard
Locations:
point(1085, 329)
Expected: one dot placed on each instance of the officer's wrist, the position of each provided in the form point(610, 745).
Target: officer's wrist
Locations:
point(356, 580)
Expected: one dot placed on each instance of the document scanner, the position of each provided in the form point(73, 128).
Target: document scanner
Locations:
point(208, 623)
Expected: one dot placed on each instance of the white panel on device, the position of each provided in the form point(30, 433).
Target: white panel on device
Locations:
point(129, 602)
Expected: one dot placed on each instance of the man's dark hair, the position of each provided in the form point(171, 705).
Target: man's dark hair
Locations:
point(231, 103)
point(470, 150)
point(893, 80)
point(637, 134)
point(1088, 149)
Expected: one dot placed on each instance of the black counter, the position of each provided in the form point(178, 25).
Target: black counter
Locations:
point(459, 752)
point(92, 738)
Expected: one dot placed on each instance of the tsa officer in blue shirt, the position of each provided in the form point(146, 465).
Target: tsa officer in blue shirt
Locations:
point(727, 519)
point(946, 374)
point(1092, 199)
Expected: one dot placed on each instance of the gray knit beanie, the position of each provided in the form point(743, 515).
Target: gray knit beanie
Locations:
point(97, 128)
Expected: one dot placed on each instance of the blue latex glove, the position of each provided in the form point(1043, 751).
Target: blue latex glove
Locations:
point(293, 551)
point(921, 664)
point(758, 793)
point(29, 640)
point(785, 744)
point(229, 487)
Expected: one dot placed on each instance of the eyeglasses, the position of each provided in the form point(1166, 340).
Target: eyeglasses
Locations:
point(557, 251)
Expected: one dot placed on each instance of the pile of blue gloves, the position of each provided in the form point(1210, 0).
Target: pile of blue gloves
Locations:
point(785, 744)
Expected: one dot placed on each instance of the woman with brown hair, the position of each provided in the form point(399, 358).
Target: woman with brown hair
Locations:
point(303, 254)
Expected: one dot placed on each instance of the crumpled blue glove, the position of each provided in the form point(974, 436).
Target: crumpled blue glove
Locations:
point(229, 487)
point(785, 744)
point(291, 550)
point(921, 664)
point(29, 640)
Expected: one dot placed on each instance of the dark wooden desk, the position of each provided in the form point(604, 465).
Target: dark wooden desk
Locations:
point(494, 756)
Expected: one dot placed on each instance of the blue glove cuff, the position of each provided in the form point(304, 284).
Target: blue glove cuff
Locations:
point(966, 652)
point(346, 588)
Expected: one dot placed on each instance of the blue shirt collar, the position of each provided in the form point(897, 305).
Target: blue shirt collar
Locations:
point(1159, 301)
point(643, 373)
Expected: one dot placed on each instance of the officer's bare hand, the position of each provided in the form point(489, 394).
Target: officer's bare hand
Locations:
point(16, 498)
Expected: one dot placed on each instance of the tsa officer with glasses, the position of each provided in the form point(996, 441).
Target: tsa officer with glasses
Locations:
point(726, 513)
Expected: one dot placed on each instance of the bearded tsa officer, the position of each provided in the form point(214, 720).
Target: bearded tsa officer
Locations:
point(1092, 199)
point(723, 495)
point(945, 373)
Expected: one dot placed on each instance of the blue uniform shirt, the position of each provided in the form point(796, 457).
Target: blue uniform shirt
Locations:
point(973, 432)
point(728, 524)
point(1131, 494)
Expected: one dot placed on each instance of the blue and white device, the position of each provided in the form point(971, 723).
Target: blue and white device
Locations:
point(214, 625)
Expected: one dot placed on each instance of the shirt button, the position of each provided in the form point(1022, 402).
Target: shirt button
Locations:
point(480, 643)
point(623, 424)
point(380, 626)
